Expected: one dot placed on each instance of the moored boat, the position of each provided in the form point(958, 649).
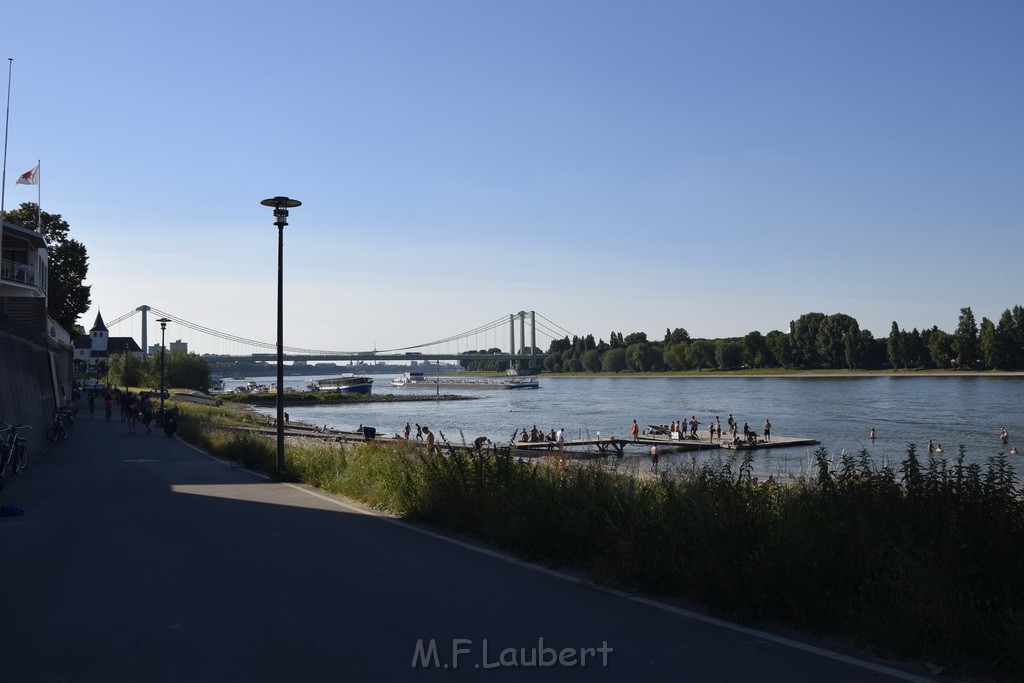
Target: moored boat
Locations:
point(421, 380)
point(346, 384)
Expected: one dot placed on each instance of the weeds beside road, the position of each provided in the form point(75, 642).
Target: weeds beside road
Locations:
point(924, 561)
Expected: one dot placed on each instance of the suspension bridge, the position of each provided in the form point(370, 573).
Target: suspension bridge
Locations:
point(512, 338)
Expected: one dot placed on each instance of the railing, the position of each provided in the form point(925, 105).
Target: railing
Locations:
point(18, 272)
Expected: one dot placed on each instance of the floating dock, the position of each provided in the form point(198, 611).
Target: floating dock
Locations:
point(583, 447)
point(610, 445)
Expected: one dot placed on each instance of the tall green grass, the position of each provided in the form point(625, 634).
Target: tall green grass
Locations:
point(925, 560)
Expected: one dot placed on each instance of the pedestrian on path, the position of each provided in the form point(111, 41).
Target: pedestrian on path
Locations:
point(147, 413)
point(129, 411)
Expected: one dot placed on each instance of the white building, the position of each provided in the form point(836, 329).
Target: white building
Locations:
point(99, 345)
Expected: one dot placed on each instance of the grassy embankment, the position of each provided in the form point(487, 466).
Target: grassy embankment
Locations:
point(923, 562)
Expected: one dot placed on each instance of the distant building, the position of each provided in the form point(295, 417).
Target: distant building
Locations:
point(154, 349)
point(99, 345)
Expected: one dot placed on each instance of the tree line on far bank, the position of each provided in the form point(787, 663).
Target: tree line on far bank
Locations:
point(814, 341)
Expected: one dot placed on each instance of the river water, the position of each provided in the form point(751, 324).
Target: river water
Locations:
point(837, 412)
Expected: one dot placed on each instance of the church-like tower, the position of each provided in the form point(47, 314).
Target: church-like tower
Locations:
point(99, 334)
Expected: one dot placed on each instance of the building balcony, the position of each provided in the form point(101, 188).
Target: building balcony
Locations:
point(19, 273)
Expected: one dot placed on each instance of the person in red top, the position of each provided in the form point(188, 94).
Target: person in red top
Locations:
point(634, 430)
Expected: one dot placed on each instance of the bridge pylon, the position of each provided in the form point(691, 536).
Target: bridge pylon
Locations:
point(521, 317)
point(144, 309)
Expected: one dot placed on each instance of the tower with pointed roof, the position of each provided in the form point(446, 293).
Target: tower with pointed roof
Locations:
point(99, 335)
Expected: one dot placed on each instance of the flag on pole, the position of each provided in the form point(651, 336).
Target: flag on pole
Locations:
point(29, 177)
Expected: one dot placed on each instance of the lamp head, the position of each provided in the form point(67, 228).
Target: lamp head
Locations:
point(281, 206)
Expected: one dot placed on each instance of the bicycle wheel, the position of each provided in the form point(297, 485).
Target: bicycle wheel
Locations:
point(20, 458)
point(6, 464)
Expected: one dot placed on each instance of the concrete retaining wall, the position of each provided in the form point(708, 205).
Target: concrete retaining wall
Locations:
point(30, 379)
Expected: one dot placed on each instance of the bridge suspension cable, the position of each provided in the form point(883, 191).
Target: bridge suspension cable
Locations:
point(493, 325)
point(550, 328)
point(556, 325)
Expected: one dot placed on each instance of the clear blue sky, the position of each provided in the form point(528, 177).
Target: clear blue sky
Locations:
point(628, 166)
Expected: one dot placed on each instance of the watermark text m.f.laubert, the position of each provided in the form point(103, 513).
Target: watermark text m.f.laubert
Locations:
point(466, 652)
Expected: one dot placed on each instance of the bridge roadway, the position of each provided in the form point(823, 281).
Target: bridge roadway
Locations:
point(142, 558)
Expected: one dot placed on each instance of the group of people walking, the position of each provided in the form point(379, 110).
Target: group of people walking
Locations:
point(423, 434)
point(135, 408)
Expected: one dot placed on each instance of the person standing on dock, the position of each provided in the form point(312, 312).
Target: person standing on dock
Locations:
point(768, 430)
point(634, 430)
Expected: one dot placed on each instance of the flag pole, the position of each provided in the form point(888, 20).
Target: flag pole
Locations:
point(7, 123)
point(39, 196)
point(3, 181)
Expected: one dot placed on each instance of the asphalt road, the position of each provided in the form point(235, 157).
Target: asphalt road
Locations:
point(142, 558)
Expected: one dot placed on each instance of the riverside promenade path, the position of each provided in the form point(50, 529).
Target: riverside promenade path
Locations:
point(140, 558)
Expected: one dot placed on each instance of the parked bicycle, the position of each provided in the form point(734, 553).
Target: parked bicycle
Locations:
point(14, 456)
point(63, 420)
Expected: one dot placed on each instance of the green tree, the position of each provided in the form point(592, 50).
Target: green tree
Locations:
point(1011, 329)
point(127, 370)
point(780, 345)
point(614, 360)
point(965, 340)
point(656, 357)
point(701, 354)
point(635, 338)
point(834, 342)
point(940, 348)
point(992, 345)
point(675, 336)
point(67, 298)
point(916, 349)
point(728, 355)
point(591, 360)
point(896, 348)
point(674, 355)
point(636, 356)
point(186, 371)
point(861, 349)
point(755, 350)
point(804, 340)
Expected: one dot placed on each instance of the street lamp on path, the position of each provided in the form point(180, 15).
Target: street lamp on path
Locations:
point(281, 206)
point(163, 327)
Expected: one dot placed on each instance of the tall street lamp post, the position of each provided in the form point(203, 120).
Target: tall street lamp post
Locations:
point(281, 206)
point(163, 327)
